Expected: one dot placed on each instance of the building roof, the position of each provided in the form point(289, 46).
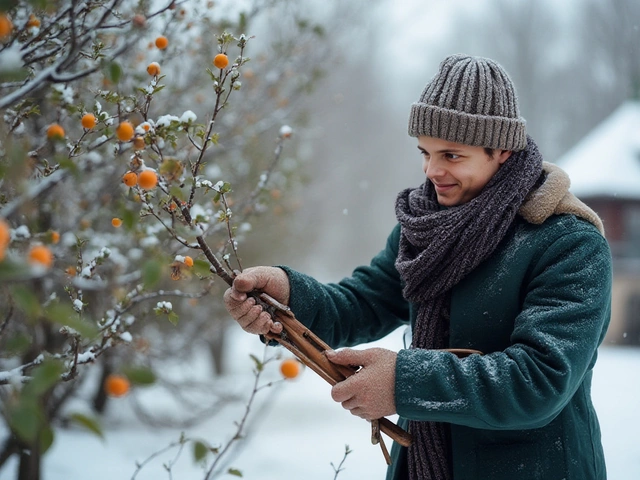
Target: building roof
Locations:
point(606, 162)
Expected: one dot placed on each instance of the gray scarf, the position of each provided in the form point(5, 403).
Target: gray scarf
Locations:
point(438, 248)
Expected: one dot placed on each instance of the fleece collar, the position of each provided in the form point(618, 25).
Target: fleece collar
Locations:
point(553, 198)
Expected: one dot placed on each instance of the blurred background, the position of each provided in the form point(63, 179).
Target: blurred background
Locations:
point(576, 66)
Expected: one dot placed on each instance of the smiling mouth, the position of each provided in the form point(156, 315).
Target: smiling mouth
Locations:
point(443, 188)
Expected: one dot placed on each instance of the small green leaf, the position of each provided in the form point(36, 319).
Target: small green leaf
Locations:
point(26, 301)
point(242, 22)
point(200, 451)
point(6, 5)
point(16, 345)
point(26, 419)
point(68, 164)
point(140, 375)
point(175, 191)
point(201, 267)
point(173, 318)
point(64, 314)
point(44, 376)
point(151, 273)
point(39, 4)
point(259, 364)
point(319, 31)
point(129, 219)
point(235, 472)
point(89, 423)
point(14, 75)
point(46, 438)
point(115, 72)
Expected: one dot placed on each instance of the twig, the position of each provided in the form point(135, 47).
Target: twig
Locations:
point(180, 443)
point(5, 322)
point(243, 421)
point(347, 451)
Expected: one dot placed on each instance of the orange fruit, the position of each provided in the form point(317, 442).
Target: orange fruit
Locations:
point(6, 27)
point(5, 237)
point(188, 261)
point(55, 132)
point(33, 21)
point(55, 237)
point(124, 131)
point(147, 179)
point(290, 368)
point(88, 121)
point(71, 271)
point(221, 60)
point(162, 42)
point(116, 222)
point(138, 143)
point(116, 385)
point(153, 68)
point(39, 254)
point(130, 179)
point(5, 234)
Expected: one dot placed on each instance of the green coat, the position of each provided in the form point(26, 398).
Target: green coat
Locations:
point(538, 309)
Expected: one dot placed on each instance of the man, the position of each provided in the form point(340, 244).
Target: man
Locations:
point(491, 253)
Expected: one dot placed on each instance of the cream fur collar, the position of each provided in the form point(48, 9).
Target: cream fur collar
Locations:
point(553, 198)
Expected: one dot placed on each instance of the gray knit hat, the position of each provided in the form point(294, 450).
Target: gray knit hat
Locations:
point(471, 100)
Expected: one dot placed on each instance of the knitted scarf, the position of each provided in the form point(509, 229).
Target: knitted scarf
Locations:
point(438, 248)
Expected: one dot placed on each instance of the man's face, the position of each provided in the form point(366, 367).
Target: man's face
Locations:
point(458, 172)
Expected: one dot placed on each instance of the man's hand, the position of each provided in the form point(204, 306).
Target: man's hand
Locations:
point(369, 393)
point(243, 308)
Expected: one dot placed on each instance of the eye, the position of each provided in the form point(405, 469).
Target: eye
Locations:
point(451, 156)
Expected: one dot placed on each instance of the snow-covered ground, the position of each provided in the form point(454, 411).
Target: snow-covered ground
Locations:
point(296, 431)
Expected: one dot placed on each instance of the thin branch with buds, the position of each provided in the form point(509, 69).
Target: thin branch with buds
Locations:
point(340, 468)
point(240, 425)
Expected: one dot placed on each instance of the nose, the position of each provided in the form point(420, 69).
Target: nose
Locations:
point(432, 168)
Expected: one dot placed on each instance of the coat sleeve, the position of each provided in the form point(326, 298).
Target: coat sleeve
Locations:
point(553, 347)
point(361, 308)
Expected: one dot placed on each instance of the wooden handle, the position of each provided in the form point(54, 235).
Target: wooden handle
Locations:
point(310, 350)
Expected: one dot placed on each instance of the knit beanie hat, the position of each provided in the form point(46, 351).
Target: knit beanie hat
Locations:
point(471, 100)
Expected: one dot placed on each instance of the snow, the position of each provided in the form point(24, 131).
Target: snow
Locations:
point(164, 306)
point(607, 161)
point(165, 120)
point(126, 337)
point(78, 305)
point(286, 131)
point(66, 93)
point(188, 117)
point(297, 431)
point(10, 59)
point(20, 233)
point(86, 357)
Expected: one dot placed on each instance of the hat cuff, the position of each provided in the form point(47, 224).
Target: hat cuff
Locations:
point(469, 129)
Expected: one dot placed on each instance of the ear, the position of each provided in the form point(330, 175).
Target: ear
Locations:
point(503, 156)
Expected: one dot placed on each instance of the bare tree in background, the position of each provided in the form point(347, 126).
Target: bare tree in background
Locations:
point(610, 42)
